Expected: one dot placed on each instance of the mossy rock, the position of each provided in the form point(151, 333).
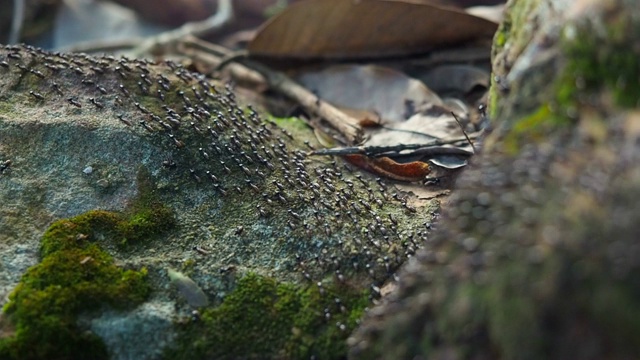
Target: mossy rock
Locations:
point(246, 198)
point(537, 253)
point(75, 276)
point(302, 321)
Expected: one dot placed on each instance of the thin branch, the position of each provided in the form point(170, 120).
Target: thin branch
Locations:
point(423, 148)
point(222, 17)
point(464, 132)
point(348, 126)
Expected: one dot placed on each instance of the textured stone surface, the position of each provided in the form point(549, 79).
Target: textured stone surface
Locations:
point(86, 133)
point(537, 253)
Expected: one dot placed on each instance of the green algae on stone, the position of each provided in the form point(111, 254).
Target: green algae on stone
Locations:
point(264, 318)
point(265, 205)
point(144, 219)
point(75, 276)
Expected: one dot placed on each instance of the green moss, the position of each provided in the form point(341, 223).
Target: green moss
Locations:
point(533, 128)
point(291, 124)
point(263, 318)
point(602, 60)
point(74, 276)
point(145, 218)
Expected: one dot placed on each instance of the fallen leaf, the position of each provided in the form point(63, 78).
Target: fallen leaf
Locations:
point(449, 161)
point(388, 168)
point(386, 94)
point(457, 79)
point(492, 13)
point(363, 29)
point(420, 128)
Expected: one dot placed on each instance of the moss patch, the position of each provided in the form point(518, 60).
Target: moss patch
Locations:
point(606, 59)
point(263, 318)
point(533, 128)
point(76, 276)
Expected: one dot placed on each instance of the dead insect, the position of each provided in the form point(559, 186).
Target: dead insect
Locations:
point(4, 64)
point(88, 82)
point(101, 89)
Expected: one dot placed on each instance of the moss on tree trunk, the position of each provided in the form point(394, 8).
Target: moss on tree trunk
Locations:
point(538, 253)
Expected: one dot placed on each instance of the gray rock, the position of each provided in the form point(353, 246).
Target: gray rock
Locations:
point(244, 196)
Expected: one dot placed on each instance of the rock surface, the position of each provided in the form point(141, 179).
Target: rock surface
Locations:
point(138, 139)
point(537, 254)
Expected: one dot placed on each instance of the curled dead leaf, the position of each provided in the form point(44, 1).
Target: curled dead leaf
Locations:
point(389, 168)
point(379, 93)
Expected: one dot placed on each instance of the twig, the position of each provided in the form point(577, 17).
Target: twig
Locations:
point(222, 17)
point(393, 149)
point(343, 123)
point(213, 55)
point(464, 132)
point(348, 126)
point(16, 22)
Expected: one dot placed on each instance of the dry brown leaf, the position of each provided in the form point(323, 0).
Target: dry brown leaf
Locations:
point(367, 28)
point(388, 168)
point(389, 94)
